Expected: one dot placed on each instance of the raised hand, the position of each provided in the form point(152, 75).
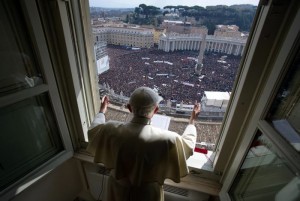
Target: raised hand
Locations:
point(195, 112)
point(104, 104)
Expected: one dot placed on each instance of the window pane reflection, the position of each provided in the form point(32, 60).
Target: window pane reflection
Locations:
point(18, 66)
point(284, 114)
point(265, 175)
point(30, 136)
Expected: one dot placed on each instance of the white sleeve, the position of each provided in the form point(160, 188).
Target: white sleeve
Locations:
point(189, 140)
point(99, 119)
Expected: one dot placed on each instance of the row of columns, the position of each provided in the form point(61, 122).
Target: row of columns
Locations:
point(227, 47)
point(173, 45)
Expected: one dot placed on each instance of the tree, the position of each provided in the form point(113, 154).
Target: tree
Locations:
point(149, 10)
point(127, 18)
point(165, 12)
point(137, 10)
point(210, 16)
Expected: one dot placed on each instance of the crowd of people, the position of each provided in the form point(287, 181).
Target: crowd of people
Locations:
point(172, 74)
point(206, 131)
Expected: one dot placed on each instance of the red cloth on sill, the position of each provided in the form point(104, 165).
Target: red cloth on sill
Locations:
point(200, 150)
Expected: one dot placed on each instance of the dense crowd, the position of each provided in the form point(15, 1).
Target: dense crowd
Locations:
point(207, 132)
point(171, 73)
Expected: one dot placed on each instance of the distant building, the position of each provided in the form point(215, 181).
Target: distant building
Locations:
point(157, 34)
point(167, 23)
point(214, 103)
point(172, 15)
point(104, 21)
point(174, 41)
point(182, 27)
point(181, 38)
point(125, 36)
point(181, 35)
point(231, 31)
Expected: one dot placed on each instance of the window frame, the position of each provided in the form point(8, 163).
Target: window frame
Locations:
point(220, 162)
point(281, 53)
point(45, 60)
point(40, 48)
point(236, 133)
point(81, 58)
point(251, 80)
point(72, 63)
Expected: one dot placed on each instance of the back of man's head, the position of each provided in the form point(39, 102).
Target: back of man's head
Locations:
point(143, 101)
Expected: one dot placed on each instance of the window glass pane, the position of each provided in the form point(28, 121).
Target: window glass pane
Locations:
point(265, 175)
point(284, 114)
point(30, 136)
point(18, 65)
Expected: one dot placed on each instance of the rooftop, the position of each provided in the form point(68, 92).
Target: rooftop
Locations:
point(217, 95)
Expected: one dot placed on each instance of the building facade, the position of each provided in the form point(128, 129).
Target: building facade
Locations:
point(171, 41)
point(157, 33)
point(227, 31)
point(125, 36)
point(228, 45)
point(181, 27)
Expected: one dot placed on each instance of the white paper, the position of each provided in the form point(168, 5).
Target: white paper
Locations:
point(161, 121)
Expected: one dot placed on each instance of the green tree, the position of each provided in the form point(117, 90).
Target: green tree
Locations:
point(165, 12)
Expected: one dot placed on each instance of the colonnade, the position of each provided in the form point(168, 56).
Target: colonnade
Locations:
point(173, 45)
point(213, 44)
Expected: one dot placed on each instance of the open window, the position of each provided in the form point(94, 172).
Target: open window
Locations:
point(57, 85)
point(272, 44)
point(183, 57)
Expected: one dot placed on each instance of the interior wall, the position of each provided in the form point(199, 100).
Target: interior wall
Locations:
point(62, 184)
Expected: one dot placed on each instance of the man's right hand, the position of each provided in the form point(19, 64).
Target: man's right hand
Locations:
point(195, 112)
point(104, 104)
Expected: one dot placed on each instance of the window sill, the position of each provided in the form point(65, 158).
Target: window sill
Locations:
point(202, 161)
point(201, 177)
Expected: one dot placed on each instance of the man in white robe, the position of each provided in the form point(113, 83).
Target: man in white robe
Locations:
point(139, 155)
